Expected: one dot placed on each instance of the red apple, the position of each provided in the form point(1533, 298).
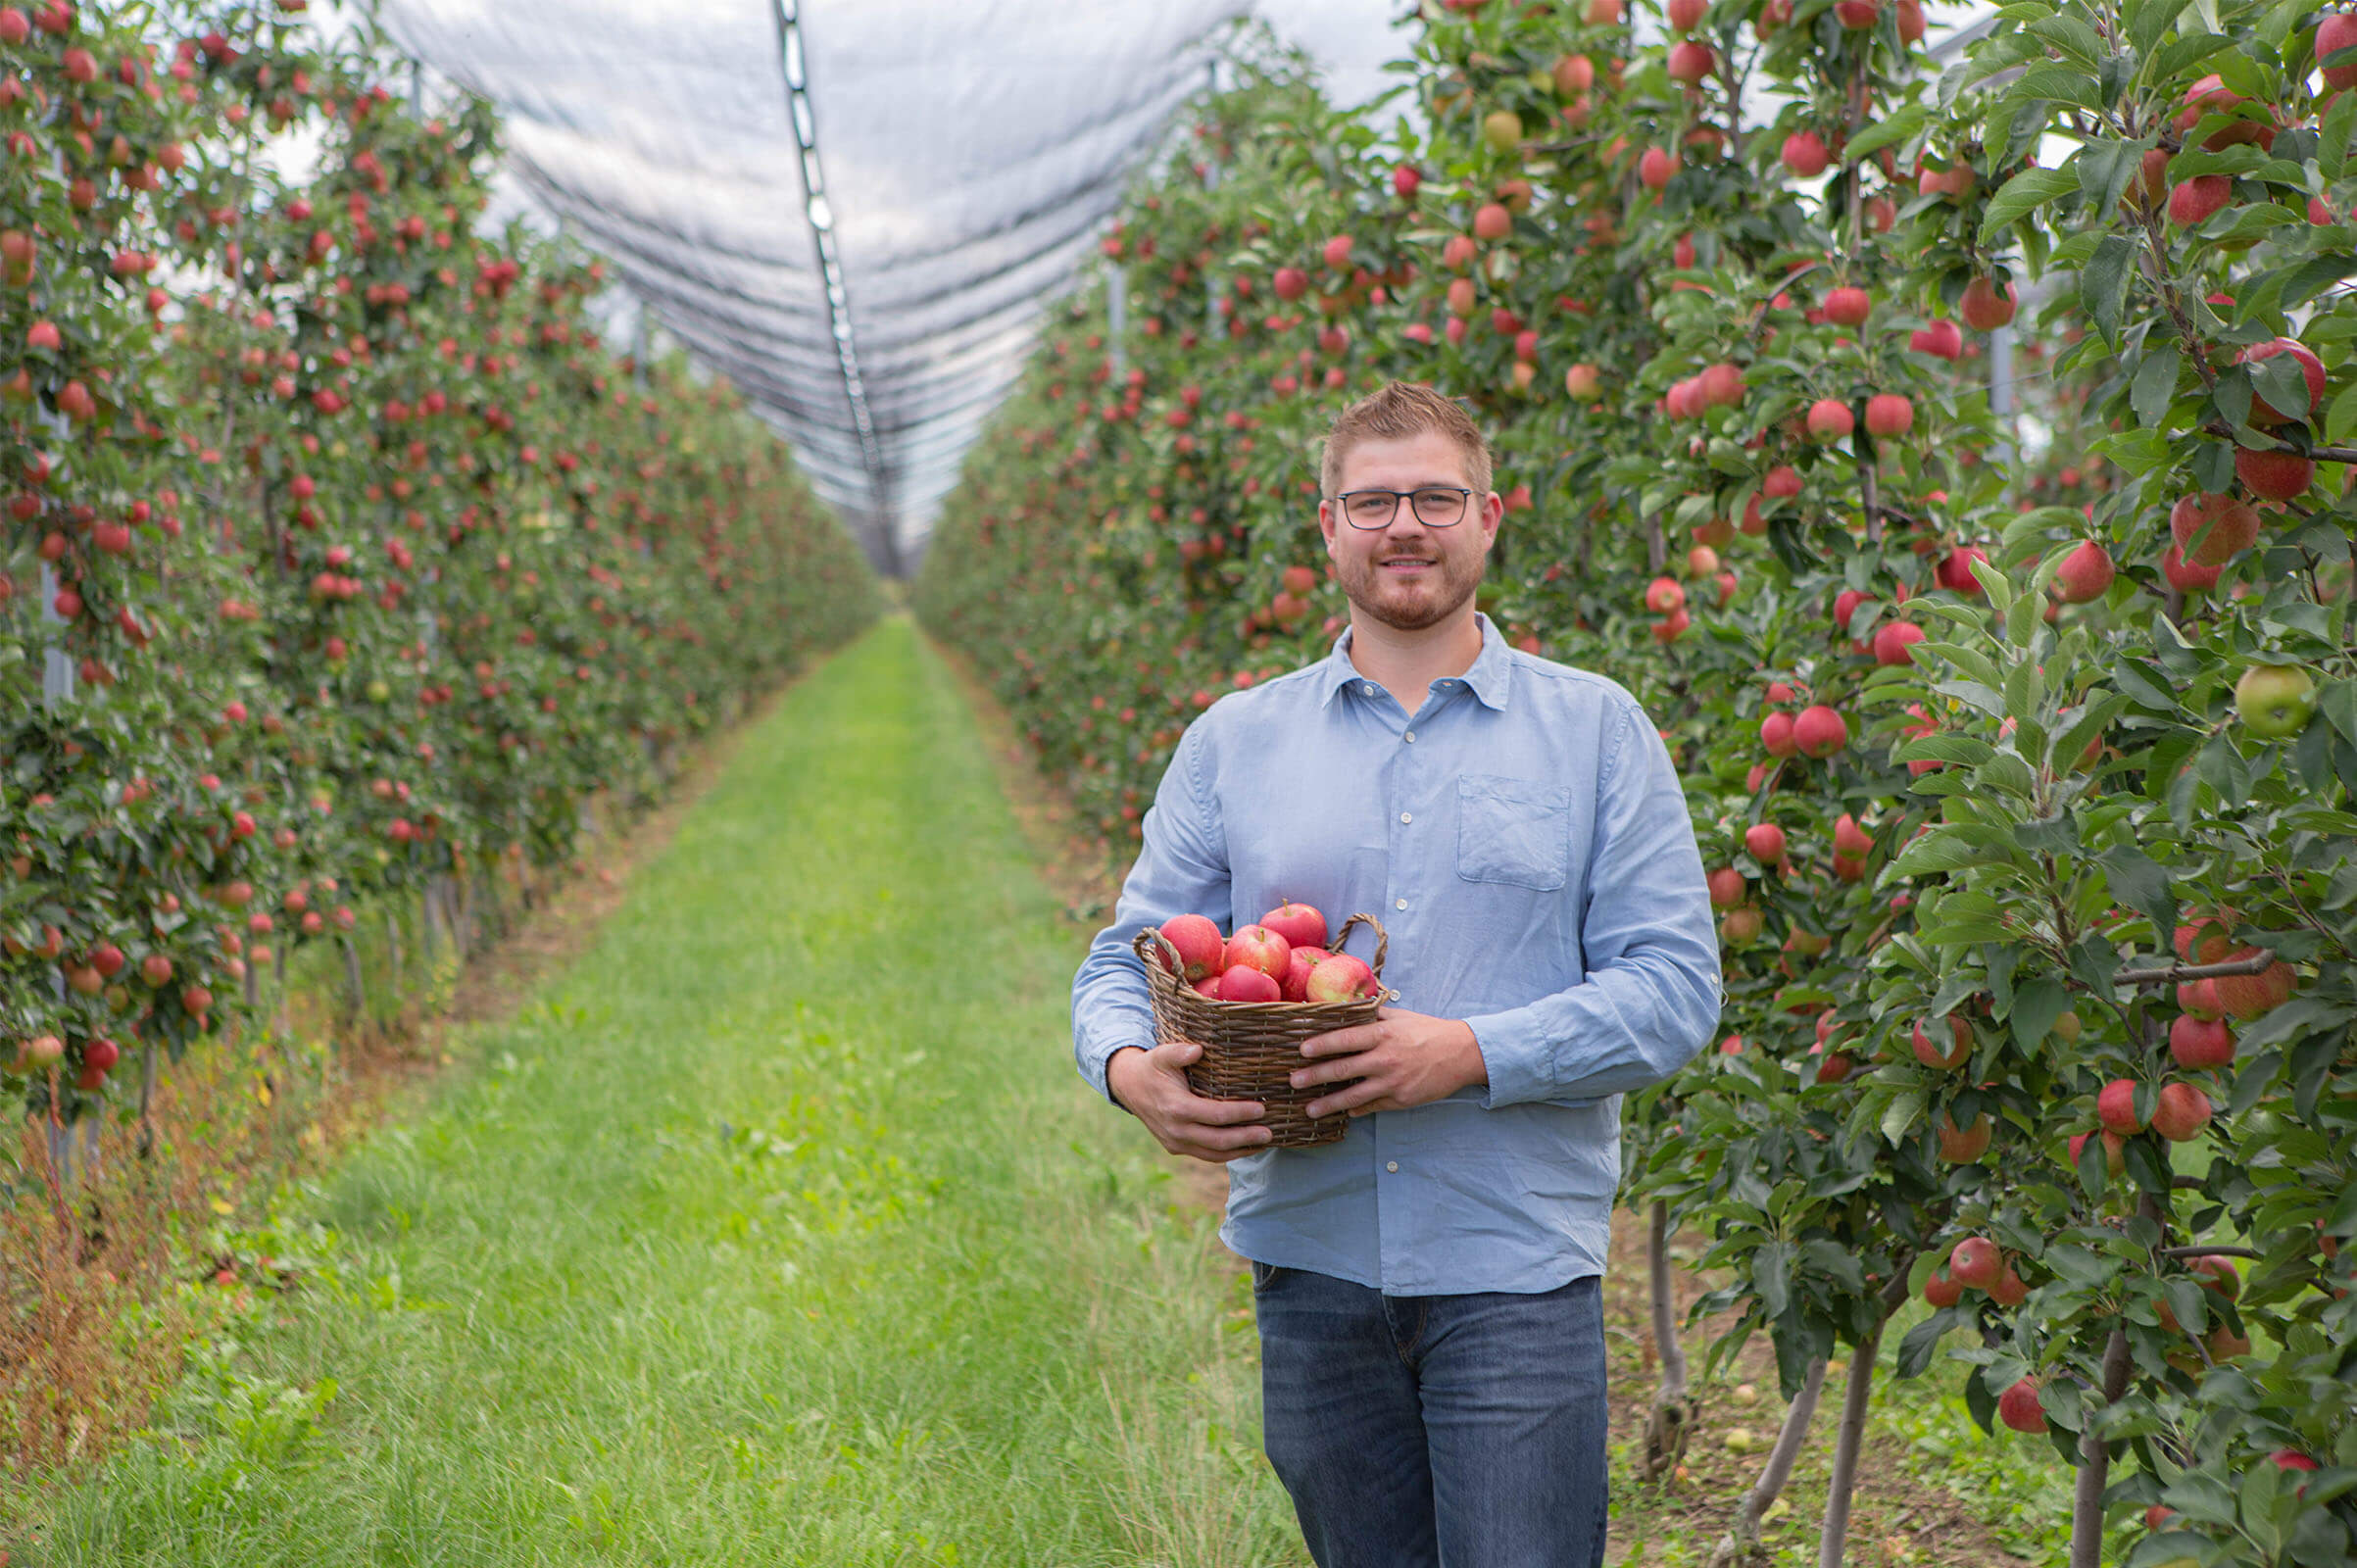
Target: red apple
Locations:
point(1726, 887)
point(2273, 475)
point(1942, 339)
point(1300, 924)
point(1775, 735)
point(2115, 1107)
point(2115, 1150)
point(2017, 1407)
point(1342, 978)
point(1804, 154)
point(2181, 1113)
point(1960, 1050)
point(1983, 308)
point(1975, 1263)
point(1942, 1289)
point(1820, 731)
point(2312, 369)
point(2194, 200)
point(2335, 33)
point(1296, 974)
point(1830, 420)
point(1889, 414)
point(2085, 574)
point(1199, 942)
point(2222, 523)
point(2198, 1043)
point(1765, 842)
point(1244, 983)
point(1256, 947)
point(1848, 306)
point(1851, 840)
point(1955, 568)
point(1893, 639)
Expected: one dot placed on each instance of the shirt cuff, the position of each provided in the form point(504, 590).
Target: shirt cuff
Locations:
point(1101, 1069)
point(1518, 1056)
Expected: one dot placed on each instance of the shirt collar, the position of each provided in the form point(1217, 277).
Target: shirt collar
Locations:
point(1489, 678)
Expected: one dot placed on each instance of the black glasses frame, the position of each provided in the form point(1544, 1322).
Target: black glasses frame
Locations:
point(1464, 494)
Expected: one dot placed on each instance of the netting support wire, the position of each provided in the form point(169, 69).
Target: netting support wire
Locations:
point(830, 272)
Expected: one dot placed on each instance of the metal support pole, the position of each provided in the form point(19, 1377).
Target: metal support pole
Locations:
point(2000, 388)
point(1116, 316)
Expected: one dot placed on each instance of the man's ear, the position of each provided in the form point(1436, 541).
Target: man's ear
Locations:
point(1325, 523)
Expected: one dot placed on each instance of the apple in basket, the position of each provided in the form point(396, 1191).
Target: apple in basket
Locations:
point(1244, 983)
point(1199, 944)
point(1256, 947)
point(1343, 978)
point(1300, 924)
point(1297, 978)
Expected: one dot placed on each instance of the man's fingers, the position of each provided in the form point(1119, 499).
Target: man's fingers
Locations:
point(1224, 1112)
point(1341, 1042)
point(1363, 1093)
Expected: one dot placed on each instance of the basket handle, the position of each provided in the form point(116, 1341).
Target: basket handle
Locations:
point(1150, 938)
point(1383, 940)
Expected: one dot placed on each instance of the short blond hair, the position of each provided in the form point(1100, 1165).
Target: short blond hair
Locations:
point(1396, 411)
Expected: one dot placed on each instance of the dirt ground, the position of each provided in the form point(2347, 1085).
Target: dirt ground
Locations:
point(1900, 1517)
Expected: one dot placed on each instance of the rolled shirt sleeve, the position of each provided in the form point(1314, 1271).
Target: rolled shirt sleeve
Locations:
point(1182, 868)
point(1651, 995)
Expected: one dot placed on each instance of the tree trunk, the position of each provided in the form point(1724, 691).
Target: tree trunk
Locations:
point(2095, 1464)
point(1855, 1398)
point(1742, 1542)
point(147, 1088)
point(1672, 1417)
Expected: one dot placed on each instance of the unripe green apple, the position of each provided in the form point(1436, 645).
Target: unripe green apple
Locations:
point(2275, 702)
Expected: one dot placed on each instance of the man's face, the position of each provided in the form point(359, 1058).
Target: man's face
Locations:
point(1409, 576)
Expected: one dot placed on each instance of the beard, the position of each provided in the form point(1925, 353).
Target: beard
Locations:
point(1406, 606)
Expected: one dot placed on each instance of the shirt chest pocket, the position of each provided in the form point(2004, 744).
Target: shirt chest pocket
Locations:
point(1512, 830)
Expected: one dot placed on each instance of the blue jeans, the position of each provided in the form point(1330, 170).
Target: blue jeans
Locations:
point(1414, 1431)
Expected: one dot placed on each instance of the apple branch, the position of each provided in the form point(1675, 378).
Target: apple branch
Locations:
point(2094, 1463)
point(2256, 964)
point(2210, 1251)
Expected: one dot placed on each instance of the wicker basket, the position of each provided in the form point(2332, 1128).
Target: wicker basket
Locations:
point(1251, 1049)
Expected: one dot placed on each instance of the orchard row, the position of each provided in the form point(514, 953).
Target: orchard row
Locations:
point(1947, 453)
point(341, 552)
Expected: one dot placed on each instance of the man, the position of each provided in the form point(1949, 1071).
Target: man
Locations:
point(1427, 1288)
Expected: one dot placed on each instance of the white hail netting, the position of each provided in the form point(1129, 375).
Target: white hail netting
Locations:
point(970, 153)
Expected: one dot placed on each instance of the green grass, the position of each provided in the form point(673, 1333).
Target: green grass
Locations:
point(777, 1230)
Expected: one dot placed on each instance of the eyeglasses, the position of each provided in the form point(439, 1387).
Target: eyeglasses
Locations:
point(1437, 506)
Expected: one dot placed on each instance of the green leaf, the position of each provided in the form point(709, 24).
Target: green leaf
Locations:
point(2283, 384)
point(2333, 146)
point(2340, 416)
point(2178, 53)
point(2103, 285)
point(2036, 1007)
point(2140, 882)
point(1973, 695)
point(2023, 194)
point(1915, 1351)
point(1772, 1276)
point(1900, 1115)
point(1884, 134)
point(2155, 385)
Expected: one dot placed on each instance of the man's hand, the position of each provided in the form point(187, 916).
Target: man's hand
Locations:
point(1153, 1086)
point(1401, 1060)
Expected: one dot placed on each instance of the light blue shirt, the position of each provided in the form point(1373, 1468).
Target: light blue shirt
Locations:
point(1524, 840)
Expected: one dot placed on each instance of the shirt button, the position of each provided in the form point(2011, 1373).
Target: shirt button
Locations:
point(1370, 691)
point(1391, 1165)
point(1408, 816)
point(1412, 737)
point(1399, 904)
